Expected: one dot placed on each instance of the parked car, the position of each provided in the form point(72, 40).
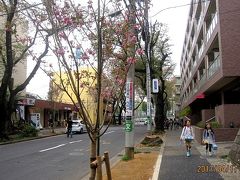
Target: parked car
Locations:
point(78, 126)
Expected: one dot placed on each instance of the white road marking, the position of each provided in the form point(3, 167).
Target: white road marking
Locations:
point(74, 141)
point(109, 132)
point(52, 148)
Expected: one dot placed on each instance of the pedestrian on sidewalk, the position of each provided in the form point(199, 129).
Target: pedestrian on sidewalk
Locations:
point(188, 136)
point(208, 138)
point(69, 128)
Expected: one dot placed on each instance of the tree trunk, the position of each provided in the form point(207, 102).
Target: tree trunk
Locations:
point(120, 116)
point(3, 115)
point(159, 113)
point(112, 110)
point(93, 154)
point(6, 109)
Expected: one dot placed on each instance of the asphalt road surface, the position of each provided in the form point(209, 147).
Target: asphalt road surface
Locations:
point(58, 157)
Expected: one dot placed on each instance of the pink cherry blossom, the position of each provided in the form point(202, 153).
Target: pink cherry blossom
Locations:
point(131, 60)
point(140, 51)
point(62, 35)
point(85, 56)
point(90, 51)
point(67, 20)
point(137, 26)
point(133, 39)
point(60, 51)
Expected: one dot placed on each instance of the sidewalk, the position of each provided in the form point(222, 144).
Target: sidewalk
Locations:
point(175, 164)
point(48, 132)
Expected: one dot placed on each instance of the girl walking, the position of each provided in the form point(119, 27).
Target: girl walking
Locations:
point(208, 138)
point(188, 136)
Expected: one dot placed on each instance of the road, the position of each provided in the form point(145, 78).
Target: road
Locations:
point(58, 157)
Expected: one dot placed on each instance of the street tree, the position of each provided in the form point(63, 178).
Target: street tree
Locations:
point(55, 95)
point(161, 68)
point(92, 55)
point(19, 36)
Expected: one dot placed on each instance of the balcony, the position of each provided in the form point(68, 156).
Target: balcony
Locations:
point(194, 64)
point(202, 81)
point(212, 27)
point(199, 22)
point(200, 51)
point(214, 67)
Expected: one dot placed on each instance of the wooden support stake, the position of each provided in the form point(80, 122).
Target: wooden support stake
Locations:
point(107, 164)
point(99, 168)
point(94, 164)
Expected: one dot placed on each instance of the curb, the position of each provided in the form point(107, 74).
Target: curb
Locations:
point(158, 162)
point(113, 161)
point(29, 139)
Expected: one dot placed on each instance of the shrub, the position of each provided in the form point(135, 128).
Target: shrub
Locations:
point(125, 158)
point(29, 131)
point(185, 112)
point(201, 124)
point(214, 124)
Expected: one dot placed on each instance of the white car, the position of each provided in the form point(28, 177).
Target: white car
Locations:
point(78, 126)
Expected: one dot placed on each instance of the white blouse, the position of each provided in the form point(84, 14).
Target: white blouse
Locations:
point(187, 133)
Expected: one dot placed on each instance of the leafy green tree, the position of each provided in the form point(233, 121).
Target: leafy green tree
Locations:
point(161, 68)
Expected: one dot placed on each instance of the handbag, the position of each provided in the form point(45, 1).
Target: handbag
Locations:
point(190, 137)
point(205, 141)
point(215, 147)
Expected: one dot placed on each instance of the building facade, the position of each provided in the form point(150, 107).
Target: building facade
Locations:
point(210, 62)
point(177, 88)
point(57, 112)
point(87, 94)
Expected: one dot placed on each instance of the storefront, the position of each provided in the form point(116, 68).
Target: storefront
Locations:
point(41, 112)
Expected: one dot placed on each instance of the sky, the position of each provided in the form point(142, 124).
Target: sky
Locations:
point(176, 20)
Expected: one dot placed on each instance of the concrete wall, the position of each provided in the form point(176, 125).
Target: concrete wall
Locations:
point(221, 134)
point(207, 114)
point(232, 114)
point(219, 113)
point(227, 113)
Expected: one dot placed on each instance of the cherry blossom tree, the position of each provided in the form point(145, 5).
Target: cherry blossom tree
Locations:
point(92, 55)
point(16, 43)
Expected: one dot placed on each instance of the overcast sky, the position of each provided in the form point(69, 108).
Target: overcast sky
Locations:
point(175, 18)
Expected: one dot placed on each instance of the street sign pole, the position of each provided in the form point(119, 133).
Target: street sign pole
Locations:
point(148, 75)
point(129, 122)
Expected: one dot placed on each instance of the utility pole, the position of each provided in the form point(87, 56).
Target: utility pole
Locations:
point(148, 76)
point(130, 95)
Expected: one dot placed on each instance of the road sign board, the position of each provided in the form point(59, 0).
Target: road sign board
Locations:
point(128, 126)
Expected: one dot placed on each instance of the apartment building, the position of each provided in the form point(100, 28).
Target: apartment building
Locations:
point(210, 61)
point(177, 87)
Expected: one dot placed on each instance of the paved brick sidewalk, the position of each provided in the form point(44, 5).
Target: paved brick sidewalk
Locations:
point(226, 169)
point(175, 164)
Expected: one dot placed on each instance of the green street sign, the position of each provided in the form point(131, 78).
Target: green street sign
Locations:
point(128, 126)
